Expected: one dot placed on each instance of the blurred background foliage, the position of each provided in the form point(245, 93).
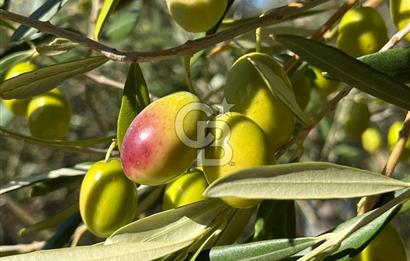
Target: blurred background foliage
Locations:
point(146, 25)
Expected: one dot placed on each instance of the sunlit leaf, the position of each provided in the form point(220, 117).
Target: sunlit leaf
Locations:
point(46, 78)
point(349, 70)
point(308, 180)
point(135, 98)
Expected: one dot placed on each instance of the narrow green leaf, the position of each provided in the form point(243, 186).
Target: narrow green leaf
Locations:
point(141, 251)
point(50, 222)
point(44, 13)
point(77, 170)
point(275, 219)
point(279, 89)
point(349, 70)
point(47, 78)
point(269, 250)
point(394, 62)
point(107, 8)
point(122, 25)
point(64, 232)
point(359, 239)
point(134, 99)
point(7, 62)
point(309, 180)
point(175, 225)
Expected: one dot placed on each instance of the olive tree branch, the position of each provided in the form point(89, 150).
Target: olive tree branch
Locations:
point(186, 49)
point(61, 145)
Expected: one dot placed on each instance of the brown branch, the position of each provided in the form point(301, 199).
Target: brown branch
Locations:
point(189, 48)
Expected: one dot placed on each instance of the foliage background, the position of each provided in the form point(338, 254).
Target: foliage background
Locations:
point(146, 25)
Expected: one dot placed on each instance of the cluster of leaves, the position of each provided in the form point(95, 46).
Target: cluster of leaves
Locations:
point(195, 230)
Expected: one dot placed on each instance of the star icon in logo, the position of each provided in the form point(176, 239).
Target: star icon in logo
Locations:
point(226, 106)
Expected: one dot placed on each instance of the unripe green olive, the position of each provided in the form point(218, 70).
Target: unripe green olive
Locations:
point(400, 13)
point(239, 143)
point(361, 31)
point(393, 136)
point(357, 120)
point(18, 106)
point(372, 140)
point(49, 115)
point(156, 147)
point(186, 189)
point(322, 85)
point(250, 95)
point(197, 15)
point(108, 200)
point(387, 245)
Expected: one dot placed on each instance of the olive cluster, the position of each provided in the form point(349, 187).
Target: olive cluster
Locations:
point(259, 124)
point(48, 114)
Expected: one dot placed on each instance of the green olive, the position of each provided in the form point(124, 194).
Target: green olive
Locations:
point(372, 140)
point(108, 200)
point(357, 120)
point(49, 115)
point(18, 106)
point(393, 136)
point(239, 143)
point(250, 95)
point(400, 13)
point(322, 85)
point(186, 189)
point(361, 31)
point(197, 15)
point(387, 245)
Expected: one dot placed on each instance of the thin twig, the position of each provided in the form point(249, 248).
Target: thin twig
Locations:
point(396, 38)
point(101, 79)
point(189, 48)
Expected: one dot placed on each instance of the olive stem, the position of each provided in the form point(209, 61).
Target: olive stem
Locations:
point(187, 65)
point(188, 48)
point(110, 150)
point(258, 35)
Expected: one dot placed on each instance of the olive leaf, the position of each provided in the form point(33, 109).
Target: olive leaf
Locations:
point(271, 250)
point(77, 170)
point(135, 98)
point(394, 62)
point(349, 70)
point(107, 8)
point(7, 62)
point(46, 78)
point(308, 180)
point(50, 222)
point(175, 225)
point(141, 251)
point(279, 89)
point(45, 12)
point(353, 244)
